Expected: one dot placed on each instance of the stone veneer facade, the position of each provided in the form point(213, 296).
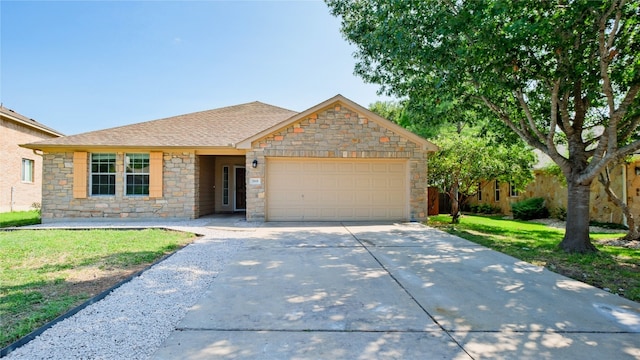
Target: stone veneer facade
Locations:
point(178, 199)
point(339, 133)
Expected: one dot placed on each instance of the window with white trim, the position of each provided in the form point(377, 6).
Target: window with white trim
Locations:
point(513, 191)
point(497, 189)
point(27, 170)
point(225, 185)
point(103, 174)
point(136, 174)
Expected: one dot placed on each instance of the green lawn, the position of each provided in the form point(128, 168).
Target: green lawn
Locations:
point(613, 267)
point(44, 273)
point(19, 218)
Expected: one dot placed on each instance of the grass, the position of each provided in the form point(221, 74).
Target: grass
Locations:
point(19, 218)
point(44, 273)
point(614, 268)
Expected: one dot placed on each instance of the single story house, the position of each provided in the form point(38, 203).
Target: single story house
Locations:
point(334, 161)
point(21, 169)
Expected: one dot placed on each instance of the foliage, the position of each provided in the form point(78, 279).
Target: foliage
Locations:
point(559, 75)
point(613, 267)
point(555, 171)
point(484, 209)
point(608, 225)
point(37, 206)
point(400, 113)
point(559, 212)
point(19, 218)
point(465, 159)
point(532, 208)
point(39, 269)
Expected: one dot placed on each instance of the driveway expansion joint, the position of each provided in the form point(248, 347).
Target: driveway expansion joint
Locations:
point(411, 296)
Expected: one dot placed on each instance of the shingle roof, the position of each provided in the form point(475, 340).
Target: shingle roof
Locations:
point(221, 127)
point(8, 113)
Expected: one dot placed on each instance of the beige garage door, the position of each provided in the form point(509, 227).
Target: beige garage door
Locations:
point(348, 190)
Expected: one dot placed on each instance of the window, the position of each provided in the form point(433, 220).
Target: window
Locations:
point(513, 191)
point(103, 174)
point(137, 174)
point(497, 188)
point(27, 170)
point(479, 191)
point(225, 185)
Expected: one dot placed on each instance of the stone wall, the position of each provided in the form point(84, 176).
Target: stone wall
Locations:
point(178, 200)
point(555, 194)
point(337, 132)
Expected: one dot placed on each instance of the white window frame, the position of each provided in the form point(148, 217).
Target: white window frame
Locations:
point(127, 160)
point(27, 170)
point(497, 191)
point(92, 173)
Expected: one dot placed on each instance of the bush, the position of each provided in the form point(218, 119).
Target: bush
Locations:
point(528, 209)
point(484, 209)
point(559, 213)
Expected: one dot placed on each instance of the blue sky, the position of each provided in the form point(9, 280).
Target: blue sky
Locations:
point(78, 66)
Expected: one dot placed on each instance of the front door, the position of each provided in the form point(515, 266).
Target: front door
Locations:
point(240, 189)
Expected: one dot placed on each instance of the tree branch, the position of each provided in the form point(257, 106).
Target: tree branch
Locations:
point(525, 107)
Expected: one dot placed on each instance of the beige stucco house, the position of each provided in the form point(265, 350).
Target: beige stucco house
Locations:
point(334, 161)
point(20, 168)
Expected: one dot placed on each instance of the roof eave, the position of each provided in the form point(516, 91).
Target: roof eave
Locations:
point(36, 125)
point(93, 147)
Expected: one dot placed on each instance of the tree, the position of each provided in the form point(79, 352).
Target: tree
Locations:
point(465, 159)
point(605, 179)
point(555, 72)
point(402, 114)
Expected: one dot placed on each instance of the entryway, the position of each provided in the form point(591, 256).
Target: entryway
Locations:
point(221, 187)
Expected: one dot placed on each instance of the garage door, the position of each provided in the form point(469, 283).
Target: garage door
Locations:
point(347, 190)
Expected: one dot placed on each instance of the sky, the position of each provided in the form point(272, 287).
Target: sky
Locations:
point(79, 66)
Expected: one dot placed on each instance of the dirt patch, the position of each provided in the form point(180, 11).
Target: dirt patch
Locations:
point(92, 280)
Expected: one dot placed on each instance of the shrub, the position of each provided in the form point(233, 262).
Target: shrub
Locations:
point(484, 209)
point(528, 209)
point(559, 213)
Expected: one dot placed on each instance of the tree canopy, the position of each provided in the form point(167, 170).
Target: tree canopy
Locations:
point(557, 73)
point(466, 159)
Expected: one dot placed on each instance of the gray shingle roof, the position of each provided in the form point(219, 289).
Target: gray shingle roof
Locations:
point(221, 127)
point(8, 113)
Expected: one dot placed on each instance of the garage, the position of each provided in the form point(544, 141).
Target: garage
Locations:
point(314, 189)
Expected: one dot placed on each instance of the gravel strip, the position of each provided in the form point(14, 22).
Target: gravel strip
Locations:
point(134, 320)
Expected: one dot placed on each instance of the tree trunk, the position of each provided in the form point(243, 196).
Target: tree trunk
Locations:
point(576, 237)
point(605, 180)
point(634, 233)
point(455, 205)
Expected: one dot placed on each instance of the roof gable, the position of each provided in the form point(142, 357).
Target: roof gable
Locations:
point(339, 99)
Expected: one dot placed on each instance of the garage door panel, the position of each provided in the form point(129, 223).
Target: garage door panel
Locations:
point(336, 189)
point(396, 168)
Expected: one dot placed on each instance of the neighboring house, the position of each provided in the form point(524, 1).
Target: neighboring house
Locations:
point(334, 161)
point(20, 168)
point(549, 187)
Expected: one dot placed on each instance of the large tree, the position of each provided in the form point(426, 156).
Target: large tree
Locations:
point(557, 73)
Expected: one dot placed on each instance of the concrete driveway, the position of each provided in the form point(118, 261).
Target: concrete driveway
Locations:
point(396, 291)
